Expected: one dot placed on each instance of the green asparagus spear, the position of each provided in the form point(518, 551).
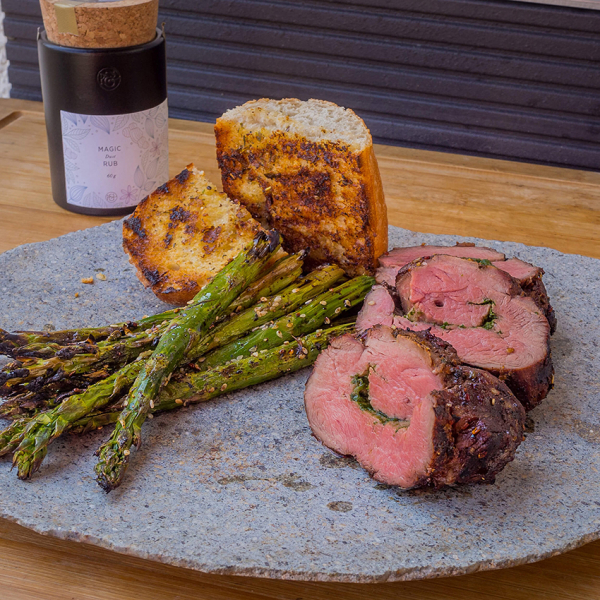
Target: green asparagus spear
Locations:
point(71, 365)
point(268, 309)
point(48, 426)
point(42, 344)
point(185, 330)
point(10, 342)
point(284, 273)
point(314, 313)
point(237, 325)
point(92, 366)
point(11, 437)
point(182, 390)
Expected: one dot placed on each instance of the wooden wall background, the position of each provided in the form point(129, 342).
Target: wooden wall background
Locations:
point(487, 77)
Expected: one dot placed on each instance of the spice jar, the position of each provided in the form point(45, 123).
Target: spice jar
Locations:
point(106, 112)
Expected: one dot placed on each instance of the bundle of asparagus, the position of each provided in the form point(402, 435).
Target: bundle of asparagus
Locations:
point(245, 327)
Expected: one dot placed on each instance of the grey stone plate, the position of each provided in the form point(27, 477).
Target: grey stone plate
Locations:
point(240, 486)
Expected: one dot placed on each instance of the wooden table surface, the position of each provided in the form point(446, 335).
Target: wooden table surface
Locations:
point(425, 191)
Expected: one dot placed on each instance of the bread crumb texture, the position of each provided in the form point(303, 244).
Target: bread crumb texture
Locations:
point(183, 234)
point(308, 170)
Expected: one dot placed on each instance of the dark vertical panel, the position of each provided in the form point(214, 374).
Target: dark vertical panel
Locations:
point(488, 77)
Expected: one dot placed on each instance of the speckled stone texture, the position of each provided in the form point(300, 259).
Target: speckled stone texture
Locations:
point(240, 486)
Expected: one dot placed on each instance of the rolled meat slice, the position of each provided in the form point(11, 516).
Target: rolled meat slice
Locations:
point(403, 406)
point(391, 262)
point(530, 279)
point(478, 309)
point(529, 276)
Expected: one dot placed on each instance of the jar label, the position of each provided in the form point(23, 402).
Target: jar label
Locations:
point(114, 161)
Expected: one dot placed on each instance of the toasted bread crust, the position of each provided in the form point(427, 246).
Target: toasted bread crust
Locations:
point(321, 195)
point(181, 235)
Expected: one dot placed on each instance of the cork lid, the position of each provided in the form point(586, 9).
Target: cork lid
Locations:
point(100, 23)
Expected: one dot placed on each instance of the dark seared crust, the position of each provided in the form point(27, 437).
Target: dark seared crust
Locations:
point(443, 355)
point(479, 422)
point(534, 287)
point(483, 424)
point(530, 384)
point(305, 190)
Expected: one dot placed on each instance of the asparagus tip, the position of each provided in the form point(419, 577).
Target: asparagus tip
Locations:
point(112, 464)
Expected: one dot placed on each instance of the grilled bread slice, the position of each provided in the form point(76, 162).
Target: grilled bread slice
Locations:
point(308, 170)
point(183, 234)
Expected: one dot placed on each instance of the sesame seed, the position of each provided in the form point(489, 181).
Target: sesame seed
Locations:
point(327, 320)
point(126, 452)
point(211, 390)
point(337, 310)
point(263, 299)
point(302, 315)
point(286, 342)
point(240, 357)
point(305, 350)
point(493, 401)
point(179, 401)
point(150, 416)
point(371, 302)
point(494, 391)
point(223, 387)
point(347, 302)
point(323, 303)
point(279, 334)
point(151, 403)
point(101, 276)
point(295, 291)
point(255, 354)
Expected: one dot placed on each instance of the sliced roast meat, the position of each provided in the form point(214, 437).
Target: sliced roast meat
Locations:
point(480, 310)
point(529, 276)
point(530, 279)
point(396, 258)
point(403, 406)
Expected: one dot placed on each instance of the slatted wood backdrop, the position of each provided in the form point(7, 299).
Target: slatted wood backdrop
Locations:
point(486, 77)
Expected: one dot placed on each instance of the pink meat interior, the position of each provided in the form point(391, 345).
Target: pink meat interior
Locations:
point(452, 296)
point(517, 268)
point(398, 257)
point(401, 379)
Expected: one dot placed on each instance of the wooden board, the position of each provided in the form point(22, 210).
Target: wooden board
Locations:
point(438, 193)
